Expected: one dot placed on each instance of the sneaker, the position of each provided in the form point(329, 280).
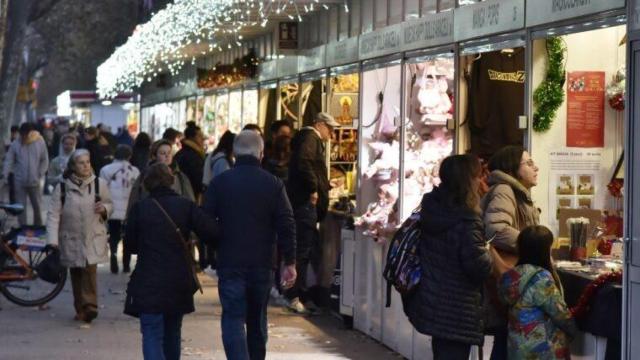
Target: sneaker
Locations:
point(297, 307)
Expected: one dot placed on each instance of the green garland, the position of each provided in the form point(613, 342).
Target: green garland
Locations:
point(550, 93)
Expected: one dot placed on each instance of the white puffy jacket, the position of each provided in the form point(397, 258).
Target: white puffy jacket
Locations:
point(120, 175)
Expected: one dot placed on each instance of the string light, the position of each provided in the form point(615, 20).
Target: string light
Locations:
point(184, 28)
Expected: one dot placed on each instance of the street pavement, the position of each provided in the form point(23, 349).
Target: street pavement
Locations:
point(33, 334)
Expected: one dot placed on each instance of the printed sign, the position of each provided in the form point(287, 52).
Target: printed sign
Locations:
point(288, 35)
point(381, 42)
point(488, 17)
point(342, 52)
point(547, 11)
point(585, 109)
point(432, 30)
point(312, 59)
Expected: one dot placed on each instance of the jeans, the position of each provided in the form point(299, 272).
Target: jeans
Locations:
point(444, 349)
point(244, 294)
point(306, 234)
point(34, 195)
point(115, 235)
point(161, 335)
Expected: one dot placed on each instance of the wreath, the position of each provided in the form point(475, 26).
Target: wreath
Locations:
point(550, 93)
point(584, 303)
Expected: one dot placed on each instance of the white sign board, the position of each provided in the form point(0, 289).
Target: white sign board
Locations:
point(342, 52)
point(312, 59)
point(268, 70)
point(487, 18)
point(428, 31)
point(548, 11)
point(382, 42)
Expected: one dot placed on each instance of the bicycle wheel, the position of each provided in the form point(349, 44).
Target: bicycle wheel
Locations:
point(31, 291)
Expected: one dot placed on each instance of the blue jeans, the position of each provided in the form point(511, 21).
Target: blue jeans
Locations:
point(244, 294)
point(161, 335)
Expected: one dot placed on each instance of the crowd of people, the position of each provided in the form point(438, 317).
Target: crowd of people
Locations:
point(250, 210)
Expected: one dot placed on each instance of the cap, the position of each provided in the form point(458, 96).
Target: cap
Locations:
point(327, 119)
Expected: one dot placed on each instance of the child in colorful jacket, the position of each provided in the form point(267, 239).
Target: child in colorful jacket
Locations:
point(540, 324)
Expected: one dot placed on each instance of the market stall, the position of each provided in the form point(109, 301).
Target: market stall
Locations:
point(235, 110)
point(208, 121)
point(221, 113)
point(250, 104)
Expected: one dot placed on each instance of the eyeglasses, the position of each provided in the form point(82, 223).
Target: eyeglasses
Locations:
point(529, 163)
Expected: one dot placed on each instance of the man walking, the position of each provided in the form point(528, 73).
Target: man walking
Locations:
point(309, 193)
point(253, 211)
point(27, 160)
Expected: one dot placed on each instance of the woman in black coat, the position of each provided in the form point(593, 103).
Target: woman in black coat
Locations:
point(162, 284)
point(455, 261)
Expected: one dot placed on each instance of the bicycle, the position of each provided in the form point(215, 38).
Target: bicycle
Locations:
point(21, 250)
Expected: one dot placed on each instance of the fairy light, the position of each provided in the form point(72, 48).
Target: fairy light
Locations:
point(202, 26)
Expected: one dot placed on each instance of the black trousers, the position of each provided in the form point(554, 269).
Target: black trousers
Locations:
point(444, 349)
point(115, 235)
point(306, 236)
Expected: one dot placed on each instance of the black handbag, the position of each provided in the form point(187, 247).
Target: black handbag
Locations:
point(50, 269)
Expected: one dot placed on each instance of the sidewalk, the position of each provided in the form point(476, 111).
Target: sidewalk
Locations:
point(28, 333)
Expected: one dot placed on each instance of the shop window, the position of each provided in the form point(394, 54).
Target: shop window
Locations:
point(429, 108)
point(289, 103)
point(380, 152)
point(268, 107)
point(249, 107)
point(191, 109)
point(199, 110)
point(235, 111)
point(343, 104)
point(222, 114)
point(208, 123)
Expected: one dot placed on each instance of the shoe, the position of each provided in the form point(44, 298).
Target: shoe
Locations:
point(114, 265)
point(126, 269)
point(90, 315)
point(297, 307)
point(78, 317)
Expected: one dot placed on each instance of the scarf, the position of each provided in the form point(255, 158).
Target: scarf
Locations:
point(197, 148)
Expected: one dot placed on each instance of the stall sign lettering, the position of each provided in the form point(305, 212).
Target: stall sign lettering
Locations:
point(380, 43)
point(488, 17)
point(428, 31)
point(548, 11)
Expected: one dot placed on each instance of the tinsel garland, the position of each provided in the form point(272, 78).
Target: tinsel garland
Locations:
point(584, 303)
point(550, 93)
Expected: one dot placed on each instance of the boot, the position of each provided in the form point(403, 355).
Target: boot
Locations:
point(126, 261)
point(114, 264)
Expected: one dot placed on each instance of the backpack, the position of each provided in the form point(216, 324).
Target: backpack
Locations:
point(63, 191)
point(403, 270)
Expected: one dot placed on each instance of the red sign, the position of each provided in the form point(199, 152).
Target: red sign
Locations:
point(585, 109)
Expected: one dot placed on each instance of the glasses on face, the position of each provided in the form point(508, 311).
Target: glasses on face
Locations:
point(529, 163)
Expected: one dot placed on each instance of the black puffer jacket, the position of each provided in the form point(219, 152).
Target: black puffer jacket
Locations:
point(308, 171)
point(161, 281)
point(455, 262)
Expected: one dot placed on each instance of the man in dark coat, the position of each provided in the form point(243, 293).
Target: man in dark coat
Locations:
point(309, 193)
point(161, 288)
point(191, 157)
point(254, 214)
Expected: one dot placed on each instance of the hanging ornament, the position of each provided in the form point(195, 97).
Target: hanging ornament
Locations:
point(616, 90)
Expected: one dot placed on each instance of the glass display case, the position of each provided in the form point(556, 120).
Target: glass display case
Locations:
point(429, 108)
point(235, 111)
point(249, 106)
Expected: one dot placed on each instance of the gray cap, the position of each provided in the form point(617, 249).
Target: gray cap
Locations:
point(327, 119)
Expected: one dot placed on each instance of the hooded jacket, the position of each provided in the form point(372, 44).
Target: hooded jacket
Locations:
point(539, 321)
point(120, 175)
point(507, 208)
point(27, 160)
point(455, 262)
point(190, 159)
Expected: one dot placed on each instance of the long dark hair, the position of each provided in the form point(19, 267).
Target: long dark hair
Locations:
point(143, 141)
point(534, 248)
point(507, 160)
point(460, 181)
point(225, 146)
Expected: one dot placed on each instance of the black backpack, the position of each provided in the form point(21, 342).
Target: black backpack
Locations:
point(403, 270)
point(63, 191)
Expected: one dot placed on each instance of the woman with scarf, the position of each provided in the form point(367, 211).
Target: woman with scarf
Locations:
point(191, 157)
point(77, 224)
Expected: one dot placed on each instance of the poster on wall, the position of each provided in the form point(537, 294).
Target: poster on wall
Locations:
point(574, 180)
point(585, 109)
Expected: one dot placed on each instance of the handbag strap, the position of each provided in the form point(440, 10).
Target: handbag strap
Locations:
point(183, 243)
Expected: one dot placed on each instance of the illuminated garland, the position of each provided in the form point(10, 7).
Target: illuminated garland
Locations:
point(586, 298)
point(186, 29)
point(550, 93)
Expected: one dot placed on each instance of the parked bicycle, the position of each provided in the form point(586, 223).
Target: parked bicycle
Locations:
point(21, 250)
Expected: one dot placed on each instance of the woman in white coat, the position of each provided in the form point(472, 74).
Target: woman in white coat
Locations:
point(77, 224)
